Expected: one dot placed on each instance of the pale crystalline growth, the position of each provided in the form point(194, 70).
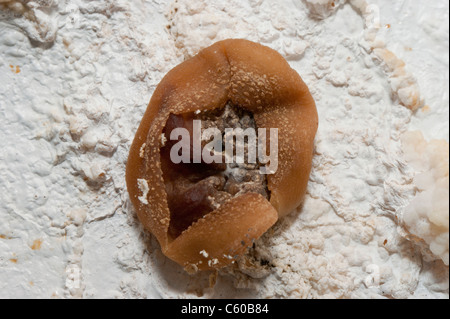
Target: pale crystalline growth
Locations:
point(213, 262)
point(94, 172)
point(163, 140)
point(198, 24)
point(323, 8)
point(427, 216)
point(33, 17)
point(77, 216)
point(142, 150)
point(143, 186)
point(404, 86)
point(403, 83)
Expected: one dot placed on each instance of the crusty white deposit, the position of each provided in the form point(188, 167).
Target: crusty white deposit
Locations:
point(77, 77)
point(426, 216)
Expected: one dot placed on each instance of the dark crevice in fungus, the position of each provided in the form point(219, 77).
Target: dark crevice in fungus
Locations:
point(196, 189)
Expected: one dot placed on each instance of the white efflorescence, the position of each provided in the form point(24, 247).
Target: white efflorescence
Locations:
point(322, 9)
point(76, 77)
point(37, 19)
point(427, 216)
point(143, 187)
point(163, 140)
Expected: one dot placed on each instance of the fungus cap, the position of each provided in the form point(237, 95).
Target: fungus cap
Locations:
point(259, 80)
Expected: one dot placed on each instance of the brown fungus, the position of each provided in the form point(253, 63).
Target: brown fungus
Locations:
point(202, 216)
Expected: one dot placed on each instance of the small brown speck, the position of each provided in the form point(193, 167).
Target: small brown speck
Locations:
point(66, 43)
point(15, 69)
point(425, 109)
point(36, 244)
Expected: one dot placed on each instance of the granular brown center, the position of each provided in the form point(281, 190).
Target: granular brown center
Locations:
point(196, 189)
